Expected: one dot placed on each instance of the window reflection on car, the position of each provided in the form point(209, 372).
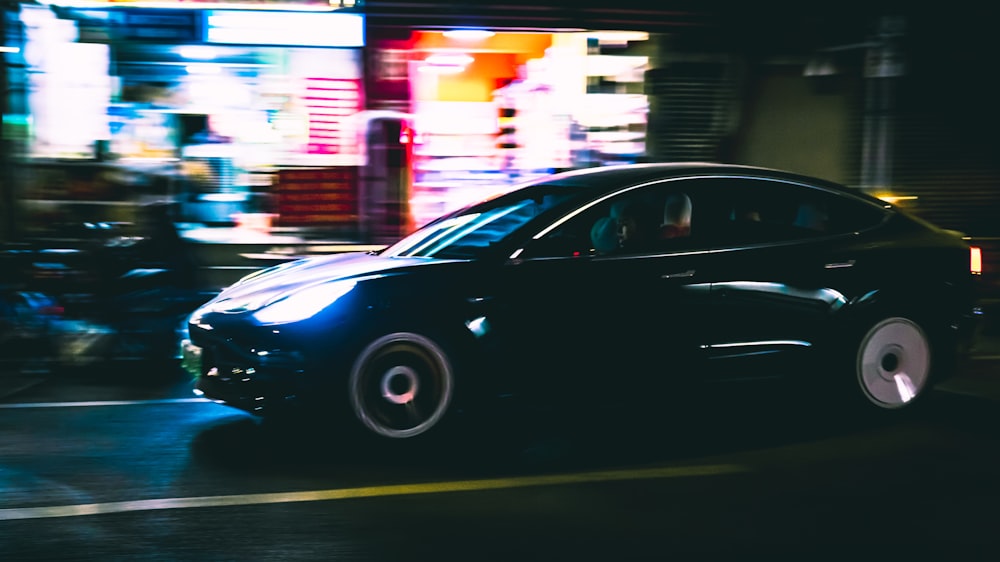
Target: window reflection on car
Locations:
point(470, 232)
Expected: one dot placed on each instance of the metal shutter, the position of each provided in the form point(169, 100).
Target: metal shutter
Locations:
point(691, 108)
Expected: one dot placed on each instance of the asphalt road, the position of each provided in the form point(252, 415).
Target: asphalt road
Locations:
point(99, 469)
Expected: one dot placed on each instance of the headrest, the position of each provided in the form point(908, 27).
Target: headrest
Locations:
point(618, 209)
point(677, 209)
point(604, 235)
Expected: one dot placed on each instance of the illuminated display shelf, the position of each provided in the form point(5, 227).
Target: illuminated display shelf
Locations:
point(456, 138)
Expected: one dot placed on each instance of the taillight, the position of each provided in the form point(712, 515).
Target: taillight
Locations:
point(976, 260)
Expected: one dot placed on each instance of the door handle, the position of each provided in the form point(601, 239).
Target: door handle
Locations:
point(682, 274)
point(839, 264)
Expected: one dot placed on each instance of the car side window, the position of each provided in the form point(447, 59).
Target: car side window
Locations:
point(761, 210)
point(571, 239)
point(647, 220)
point(620, 225)
point(692, 214)
point(652, 219)
point(848, 215)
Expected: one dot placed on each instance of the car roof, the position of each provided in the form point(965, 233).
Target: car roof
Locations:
point(616, 176)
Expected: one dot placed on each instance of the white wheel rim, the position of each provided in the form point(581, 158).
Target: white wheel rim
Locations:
point(391, 389)
point(894, 362)
point(401, 385)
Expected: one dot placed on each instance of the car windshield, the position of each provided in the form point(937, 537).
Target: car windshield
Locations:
point(470, 232)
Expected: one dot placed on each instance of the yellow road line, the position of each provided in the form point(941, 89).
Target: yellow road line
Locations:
point(12, 514)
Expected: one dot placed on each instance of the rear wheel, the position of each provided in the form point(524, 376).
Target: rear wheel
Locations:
point(893, 363)
point(401, 386)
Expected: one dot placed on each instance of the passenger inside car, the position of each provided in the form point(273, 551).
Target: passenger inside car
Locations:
point(604, 235)
point(676, 216)
point(811, 217)
point(745, 213)
point(622, 230)
point(628, 219)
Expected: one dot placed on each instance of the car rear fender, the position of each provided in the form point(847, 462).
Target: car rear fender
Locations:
point(935, 307)
point(937, 299)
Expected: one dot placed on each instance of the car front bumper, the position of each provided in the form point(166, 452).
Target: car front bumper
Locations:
point(260, 382)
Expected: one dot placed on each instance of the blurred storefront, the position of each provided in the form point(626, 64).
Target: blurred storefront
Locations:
point(362, 120)
point(237, 115)
point(492, 108)
point(887, 98)
point(309, 117)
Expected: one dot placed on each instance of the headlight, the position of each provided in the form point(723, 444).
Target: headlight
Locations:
point(303, 303)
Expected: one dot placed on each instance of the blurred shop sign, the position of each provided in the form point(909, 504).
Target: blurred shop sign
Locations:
point(291, 5)
point(392, 64)
point(317, 196)
point(285, 28)
point(226, 23)
point(137, 24)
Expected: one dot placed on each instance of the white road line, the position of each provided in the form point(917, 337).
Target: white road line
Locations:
point(13, 514)
point(99, 403)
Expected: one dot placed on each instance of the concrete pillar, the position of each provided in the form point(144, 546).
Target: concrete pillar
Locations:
point(883, 66)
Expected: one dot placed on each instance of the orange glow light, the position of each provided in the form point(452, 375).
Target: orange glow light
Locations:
point(976, 260)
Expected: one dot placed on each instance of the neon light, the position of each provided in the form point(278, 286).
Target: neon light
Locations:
point(329, 102)
point(198, 52)
point(449, 60)
point(469, 34)
point(284, 5)
point(285, 28)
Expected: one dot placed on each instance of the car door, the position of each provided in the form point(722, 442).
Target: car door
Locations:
point(588, 323)
point(784, 268)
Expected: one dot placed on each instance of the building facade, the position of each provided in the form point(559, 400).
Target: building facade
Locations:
point(893, 101)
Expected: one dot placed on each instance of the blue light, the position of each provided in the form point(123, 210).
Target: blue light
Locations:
point(478, 326)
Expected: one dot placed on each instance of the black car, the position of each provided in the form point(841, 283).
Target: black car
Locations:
point(614, 286)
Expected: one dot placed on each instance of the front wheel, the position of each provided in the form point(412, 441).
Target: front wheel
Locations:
point(401, 385)
point(893, 363)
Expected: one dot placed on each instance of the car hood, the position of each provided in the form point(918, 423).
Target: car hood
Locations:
point(317, 269)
